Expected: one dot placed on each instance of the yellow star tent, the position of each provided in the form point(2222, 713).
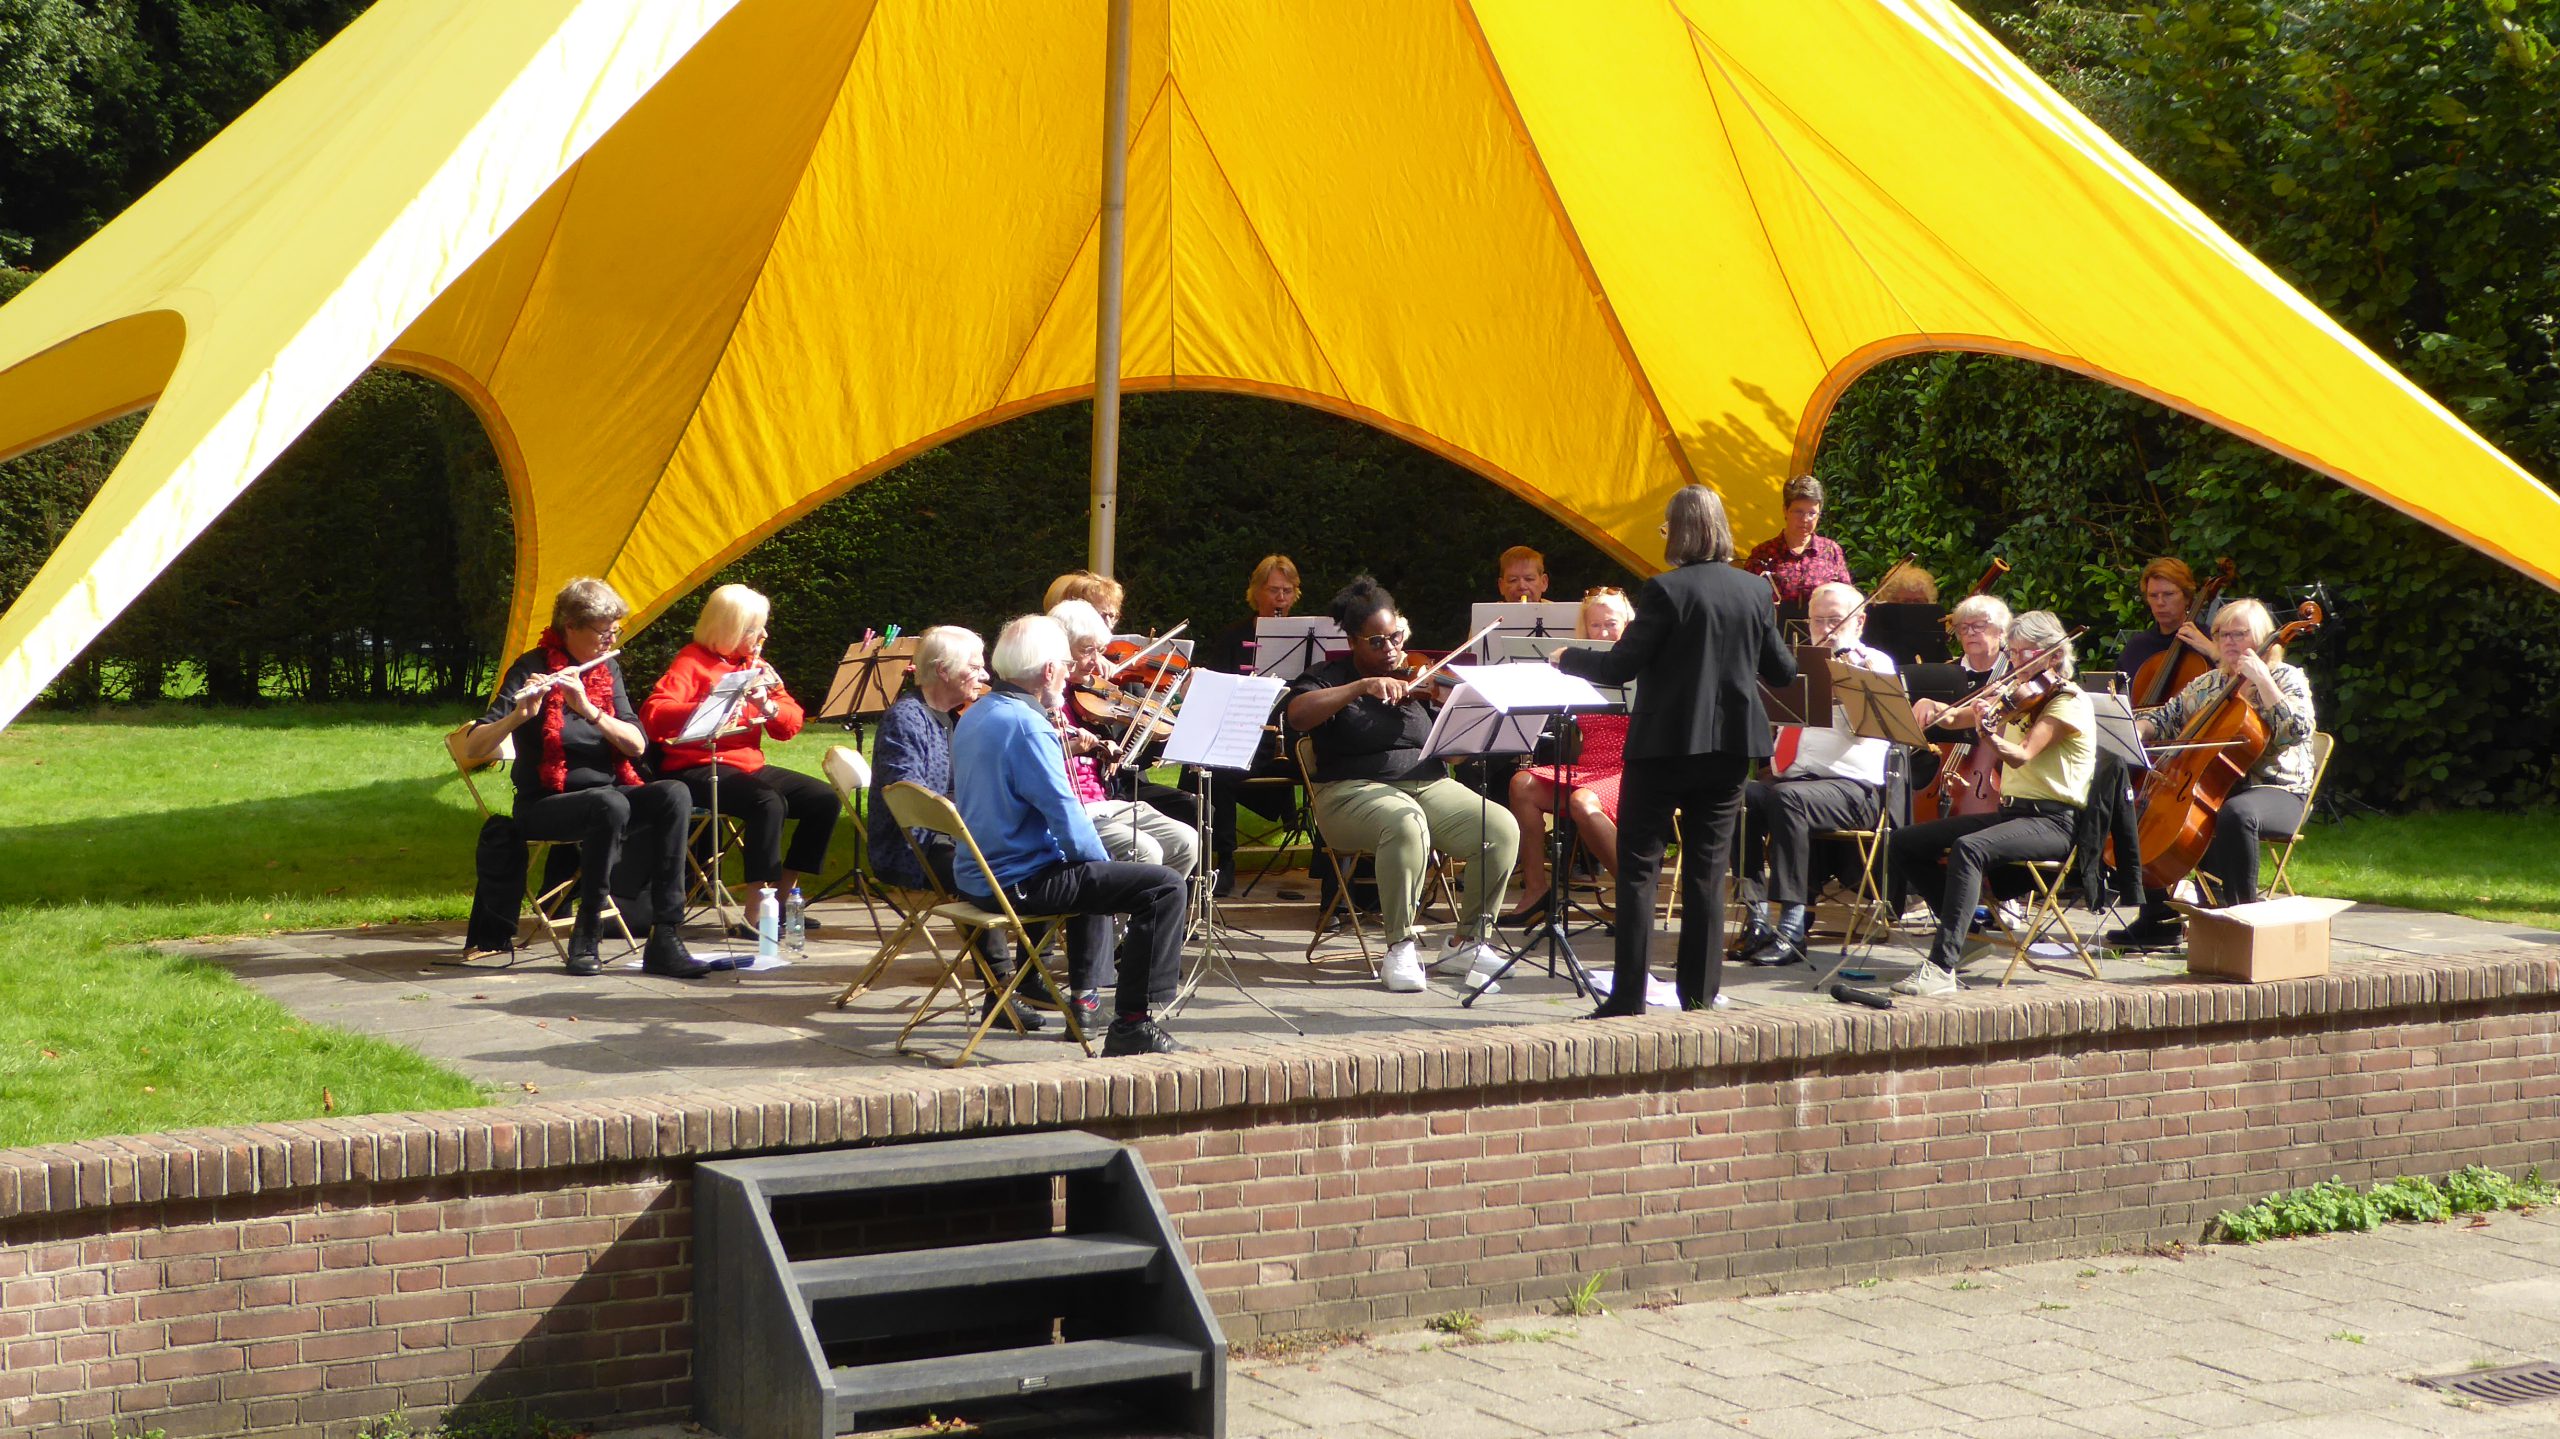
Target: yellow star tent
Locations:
point(701, 265)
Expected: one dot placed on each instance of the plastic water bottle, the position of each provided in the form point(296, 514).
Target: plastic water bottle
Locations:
point(795, 922)
point(768, 925)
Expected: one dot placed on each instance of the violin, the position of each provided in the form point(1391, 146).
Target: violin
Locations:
point(1150, 666)
point(2218, 748)
point(1135, 714)
point(1968, 779)
point(2178, 666)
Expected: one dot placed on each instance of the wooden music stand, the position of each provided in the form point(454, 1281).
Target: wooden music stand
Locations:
point(1806, 700)
point(867, 680)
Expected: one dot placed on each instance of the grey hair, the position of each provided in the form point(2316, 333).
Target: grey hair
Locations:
point(948, 652)
point(584, 602)
point(2037, 631)
point(1695, 529)
point(1081, 621)
point(1028, 645)
point(1983, 607)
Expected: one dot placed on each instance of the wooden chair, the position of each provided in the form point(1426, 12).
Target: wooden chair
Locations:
point(916, 807)
point(538, 901)
point(2047, 912)
point(2281, 882)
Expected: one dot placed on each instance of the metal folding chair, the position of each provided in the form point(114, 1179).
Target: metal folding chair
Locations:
point(2047, 912)
point(2323, 745)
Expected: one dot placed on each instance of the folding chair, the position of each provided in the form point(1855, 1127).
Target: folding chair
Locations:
point(916, 807)
point(1870, 918)
point(2279, 883)
point(538, 901)
point(2046, 912)
point(705, 890)
point(849, 775)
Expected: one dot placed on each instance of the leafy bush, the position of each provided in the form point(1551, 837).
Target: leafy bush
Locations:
point(2333, 1205)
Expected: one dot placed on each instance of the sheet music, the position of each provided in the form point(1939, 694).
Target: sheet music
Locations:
point(718, 707)
point(1502, 709)
point(1537, 619)
point(1222, 719)
point(1291, 645)
point(1533, 649)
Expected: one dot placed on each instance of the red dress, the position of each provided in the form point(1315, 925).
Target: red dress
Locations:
point(1604, 755)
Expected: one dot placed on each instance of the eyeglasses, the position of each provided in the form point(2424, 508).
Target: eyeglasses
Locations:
point(1392, 640)
point(609, 630)
point(1977, 627)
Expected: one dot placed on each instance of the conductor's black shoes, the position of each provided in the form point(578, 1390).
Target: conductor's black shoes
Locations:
point(1138, 1036)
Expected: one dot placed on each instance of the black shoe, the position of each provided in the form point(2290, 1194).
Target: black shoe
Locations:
point(1755, 939)
point(1611, 1009)
point(1533, 913)
point(2147, 934)
point(1032, 1023)
point(1786, 942)
point(667, 956)
point(1138, 1036)
point(582, 959)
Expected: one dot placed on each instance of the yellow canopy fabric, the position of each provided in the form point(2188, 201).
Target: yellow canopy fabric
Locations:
point(700, 265)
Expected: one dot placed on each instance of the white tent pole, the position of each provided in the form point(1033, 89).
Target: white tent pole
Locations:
point(1102, 531)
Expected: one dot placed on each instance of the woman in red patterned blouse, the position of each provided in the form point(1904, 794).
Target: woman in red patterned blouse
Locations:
point(1592, 804)
point(1796, 560)
point(727, 638)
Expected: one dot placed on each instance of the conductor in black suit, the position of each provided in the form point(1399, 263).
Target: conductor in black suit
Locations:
point(1704, 638)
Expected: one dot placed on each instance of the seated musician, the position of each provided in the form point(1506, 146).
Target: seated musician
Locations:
point(728, 637)
point(914, 745)
point(1375, 791)
point(2271, 799)
point(1138, 819)
point(1822, 778)
point(1010, 779)
point(1521, 576)
point(1100, 591)
point(1271, 594)
point(1796, 560)
point(575, 783)
point(1909, 585)
point(1591, 807)
point(2047, 756)
point(1981, 624)
point(2169, 592)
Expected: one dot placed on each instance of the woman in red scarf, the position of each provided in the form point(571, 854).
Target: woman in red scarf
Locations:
point(727, 638)
point(575, 783)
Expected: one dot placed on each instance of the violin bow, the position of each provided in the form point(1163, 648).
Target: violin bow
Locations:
point(1159, 642)
point(1441, 663)
point(1874, 590)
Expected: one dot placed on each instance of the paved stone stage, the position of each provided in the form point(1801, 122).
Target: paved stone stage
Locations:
point(534, 1031)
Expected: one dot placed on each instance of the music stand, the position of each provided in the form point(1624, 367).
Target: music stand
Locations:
point(708, 725)
point(867, 680)
point(1498, 710)
point(1290, 645)
point(1535, 619)
point(1805, 700)
point(2118, 736)
point(1877, 708)
point(1220, 728)
point(1911, 631)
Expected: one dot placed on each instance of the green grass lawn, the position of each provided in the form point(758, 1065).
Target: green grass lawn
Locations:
point(133, 826)
point(175, 822)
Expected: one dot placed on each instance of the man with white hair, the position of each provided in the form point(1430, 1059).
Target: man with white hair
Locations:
point(1824, 777)
point(1010, 783)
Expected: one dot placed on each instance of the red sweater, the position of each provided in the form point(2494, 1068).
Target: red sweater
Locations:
point(689, 677)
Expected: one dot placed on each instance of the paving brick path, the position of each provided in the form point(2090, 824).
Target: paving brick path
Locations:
point(2300, 1338)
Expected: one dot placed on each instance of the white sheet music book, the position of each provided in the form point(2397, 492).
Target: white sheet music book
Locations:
point(718, 707)
point(1502, 709)
point(1540, 619)
point(1534, 649)
point(1291, 645)
point(1220, 726)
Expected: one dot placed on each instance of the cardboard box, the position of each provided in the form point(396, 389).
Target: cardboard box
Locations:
point(2253, 943)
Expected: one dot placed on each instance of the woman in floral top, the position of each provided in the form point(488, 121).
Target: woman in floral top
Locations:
point(1796, 560)
point(2271, 799)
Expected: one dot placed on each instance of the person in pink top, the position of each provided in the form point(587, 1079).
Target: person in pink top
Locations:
point(1591, 806)
point(729, 637)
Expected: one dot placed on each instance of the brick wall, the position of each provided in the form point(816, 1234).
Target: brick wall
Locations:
point(306, 1277)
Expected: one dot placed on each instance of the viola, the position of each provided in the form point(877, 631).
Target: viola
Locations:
point(1134, 714)
point(2219, 747)
point(2178, 666)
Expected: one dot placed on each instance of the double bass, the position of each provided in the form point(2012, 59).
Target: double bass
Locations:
point(2178, 666)
point(2217, 750)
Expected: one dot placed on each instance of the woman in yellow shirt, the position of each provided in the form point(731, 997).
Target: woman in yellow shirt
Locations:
point(2046, 760)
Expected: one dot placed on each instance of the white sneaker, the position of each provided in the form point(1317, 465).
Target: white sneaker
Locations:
point(1455, 953)
point(1927, 980)
point(1401, 970)
point(1481, 969)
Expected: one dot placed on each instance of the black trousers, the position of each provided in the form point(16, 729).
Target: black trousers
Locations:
point(1782, 817)
point(630, 843)
point(1945, 860)
point(1153, 896)
point(762, 799)
point(2231, 856)
point(1706, 789)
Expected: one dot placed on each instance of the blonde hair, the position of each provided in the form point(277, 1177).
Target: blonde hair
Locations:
point(1607, 598)
point(1100, 591)
point(1907, 586)
point(727, 616)
point(1271, 565)
point(1984, 607)
point(1516, 554)
point(2261, 623)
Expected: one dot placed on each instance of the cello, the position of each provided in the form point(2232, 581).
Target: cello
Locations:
point(2175, 668)
point(2214, 753)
